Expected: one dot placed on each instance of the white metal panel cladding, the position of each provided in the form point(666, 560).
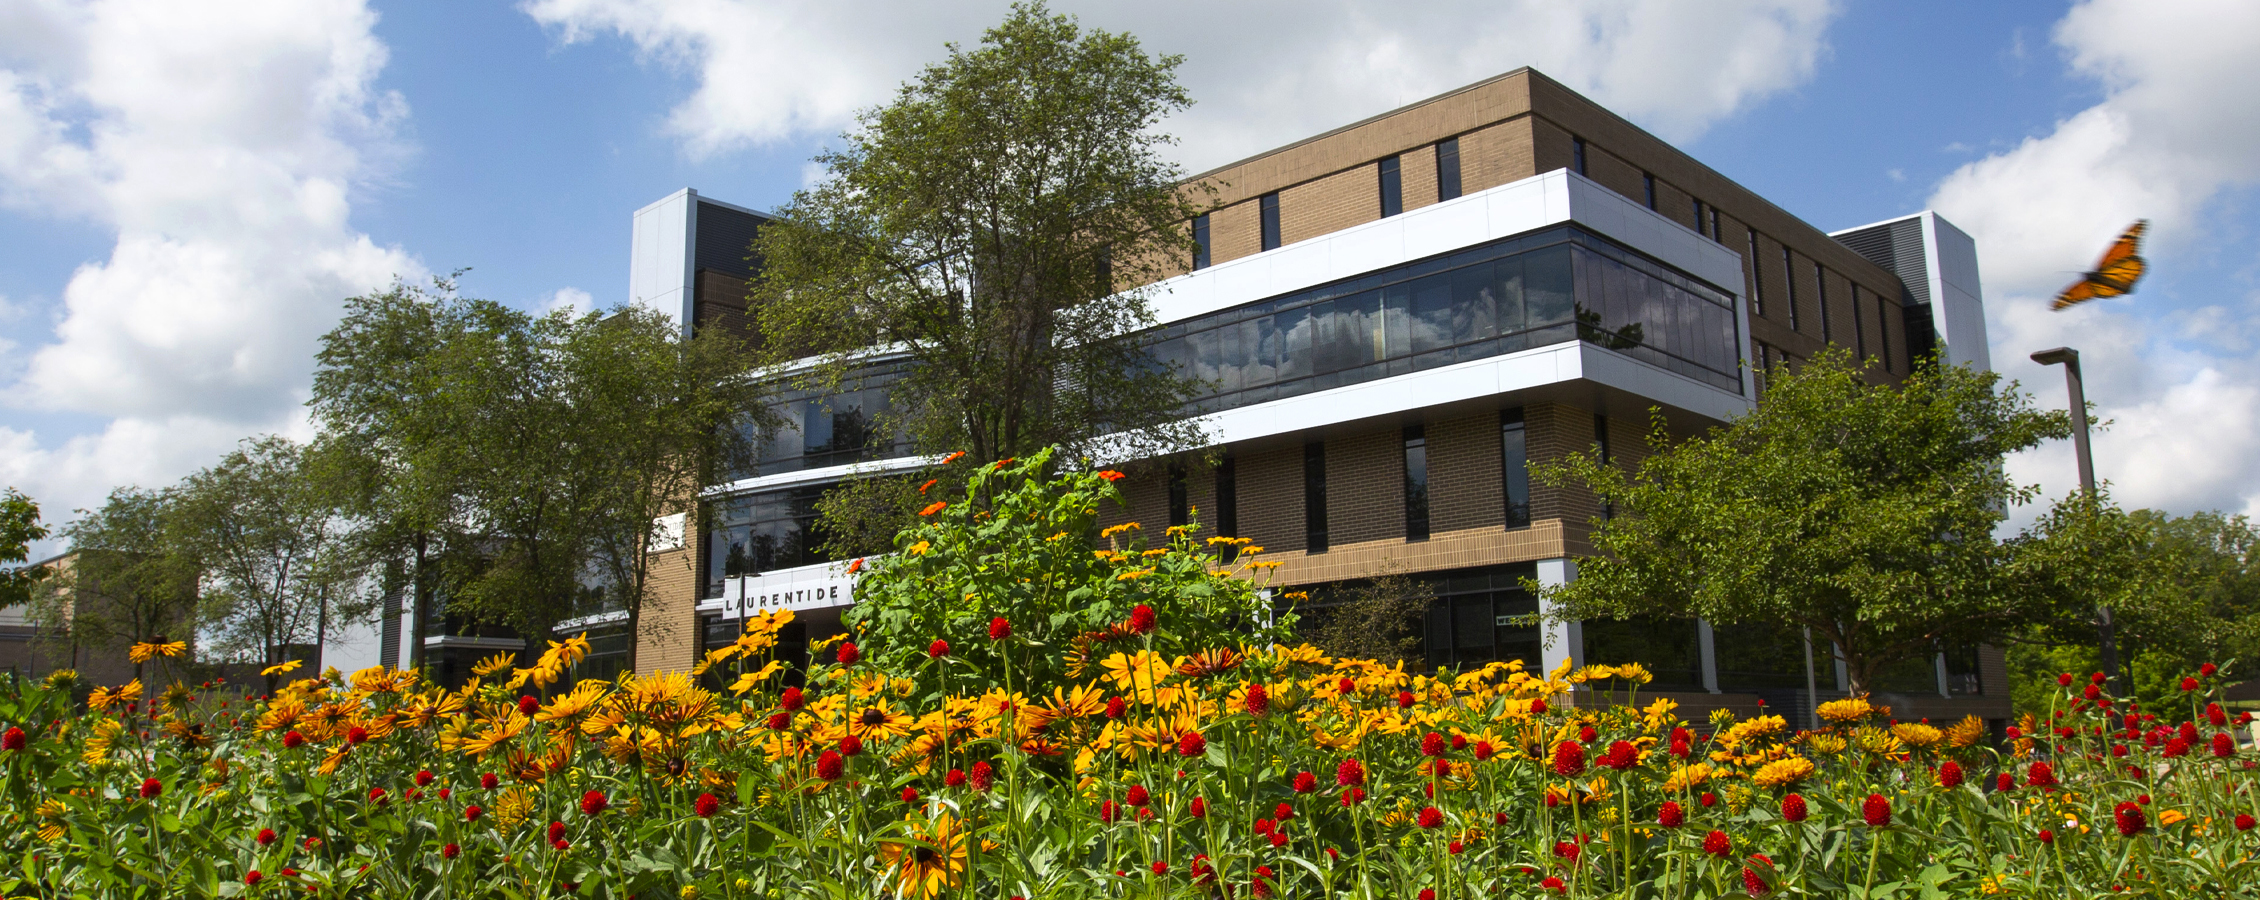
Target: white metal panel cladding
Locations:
point(659, 259)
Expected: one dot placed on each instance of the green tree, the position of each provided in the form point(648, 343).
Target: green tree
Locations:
point(129, 579)
point(525, 466)
point(278, 564)
point(1865, 512)
point(976, 222)
point(19, 526)
point(1380, 619)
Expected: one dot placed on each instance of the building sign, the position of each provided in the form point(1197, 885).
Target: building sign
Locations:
point(804, 588)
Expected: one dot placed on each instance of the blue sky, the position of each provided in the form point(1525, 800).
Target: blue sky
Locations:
point(184, 197)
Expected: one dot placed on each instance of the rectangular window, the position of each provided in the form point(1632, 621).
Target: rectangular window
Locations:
point(1883, 330)
point(1757, 284)
point(1447, 169)
point(1601, 449)
point(1716, 234)
point(1577, 154)
point(1416, 484)
point(1699, 217)
point(1482, 615)
point(1228, 504)
point(1859, 326)
point(1648, 185)
point(1314, 497)
point(1180, 506)
point(1270, 206)
point(1200, 242)
point(1789, 282)
point(1392, 187)
point(1514, 447)
point(1820, 280)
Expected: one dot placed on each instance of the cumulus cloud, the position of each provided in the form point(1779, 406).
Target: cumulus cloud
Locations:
point(2175, 136)
point(221, 143)
point(1263, 72)
point(572, 300)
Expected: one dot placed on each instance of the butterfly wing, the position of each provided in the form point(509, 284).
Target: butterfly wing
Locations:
point(2114, 275)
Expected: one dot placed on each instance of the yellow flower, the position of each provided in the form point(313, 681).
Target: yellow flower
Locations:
point(104, 698)
point(1784, 772)
point(570, 707)
point(879, 721)
point(1747, 730)
point(51, 827)
point(281, 668)
point(496, 733)
point(1966, 732)
point(1138, 672)
point(492, 665)
point(931, 864)
point(1133, 575)
point(920, 547)
point(142, 651)
point(1687, 776)
point(1849, 710)
point(2172, 817)
point(751, 680)
point(1917, 734)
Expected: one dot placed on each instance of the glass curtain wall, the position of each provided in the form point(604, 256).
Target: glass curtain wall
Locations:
point(1549, 287)
point(764, 532)
point(821, 429)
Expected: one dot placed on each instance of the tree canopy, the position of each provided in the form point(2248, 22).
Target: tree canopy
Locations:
point(19, 526)
point(1865, 512)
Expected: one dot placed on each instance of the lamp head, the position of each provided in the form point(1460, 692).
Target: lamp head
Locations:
point(2057, 356)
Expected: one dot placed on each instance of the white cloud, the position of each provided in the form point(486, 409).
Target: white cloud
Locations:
point(2176, 133)
point(221, 144)
point(1262, 72)
point(572, 300)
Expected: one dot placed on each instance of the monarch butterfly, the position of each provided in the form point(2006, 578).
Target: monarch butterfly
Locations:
point(2114, 274)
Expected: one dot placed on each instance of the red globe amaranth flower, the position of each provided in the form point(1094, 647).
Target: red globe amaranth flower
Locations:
point(1680, 749)
point(779, 720)
point(1793, 808)
point(1427, 894)
point(1305, 782)
point(1116, 707)
point(1569, 759)
point(1161, 867)
point(2004, 782)
point(450, 851)
point(1431, 817)
point(2130, 819)
point(1568, 851)
point(955, 778)
point(2189, 684)
point(2216, 716)
point(1717, 843)
point(938, 649)
point(792, 700)
point(1586, 734)
point(1192, 744)
point(528, 704)
point(1950, 774)
point(1671, 815)
point(1538, 707)
point(830, 766)
point(1455, 848)
point(2223, 745)
point(2177, 747)
point(2041, 775)
point(999, 629)
point(2118, 751)
point(265, 836)
point(561, 847)
point(984, 777)
point(706, 805)
point(1142, 619)
point(1707, 799)
point(1432, 744)
point(151, 787)
point(556, 832)
point(13, 739)
point(1107, 812)
point(1261, 884)
point(2047, 836)
point(851, 746)
point(252, 877)
point(2244, 821)
point(1197, 809)
point(471, 813)
point(1137, 796)
point(424, 778)
point(849, 654)
point(1876, 811)
point(2207, 670)
point(1257, 702)
point(2064, 680)
point(377, 796)
point(1404, 699)
point(1621, 755)
point(2143, 799)
point(355, 735)
point(1266, 826)
point(2091, 693)
point(1484, 750)
point(488, 781)
point(1752, 884)
point(292, 740)
point(2188, 732)
point(1350, 773)
point(593, 803)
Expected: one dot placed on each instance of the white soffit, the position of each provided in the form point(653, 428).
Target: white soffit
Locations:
point(1500, 212)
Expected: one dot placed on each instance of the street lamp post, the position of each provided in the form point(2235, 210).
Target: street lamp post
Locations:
point(2070, 360)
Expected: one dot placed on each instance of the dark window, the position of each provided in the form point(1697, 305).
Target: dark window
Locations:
point(1514, 447)
point(758, 533)
point(1200, 242)
point(1270, 206)
point(1883, 330)
point(1601, 449)
point(1764, 656)
point(822, 428)
point(1416, 484)
point(1962, 671)
point(714, 632)
point(1447, 170)
point(1180, 507)
point(1698, 217)
point(1482, 615)
point(1577, 154)
point(1392, 187)
point(1670, 648)
point(1552, 286)
point(1314, 497)
point(1648, 185)
point(1716, 234)
point(1789, 283)
point(1228, 504)
point(1757, 284)
point(1102, 264)
point(1859, 325)
point(1820, 281)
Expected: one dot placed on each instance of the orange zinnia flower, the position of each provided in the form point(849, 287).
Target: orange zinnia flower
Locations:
point(935, 507)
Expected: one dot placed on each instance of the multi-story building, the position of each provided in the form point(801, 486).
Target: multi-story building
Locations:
point(1396, 317)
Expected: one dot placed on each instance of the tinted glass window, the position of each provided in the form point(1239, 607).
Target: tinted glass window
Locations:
point(1447, 170)
point(1200, 242)
point(1392, 188)
point(757, 533)
point(1270, 208)
point(1515, 457)
point(1416, 484)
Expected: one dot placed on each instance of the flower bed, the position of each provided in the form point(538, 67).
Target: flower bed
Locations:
point(1235, 772)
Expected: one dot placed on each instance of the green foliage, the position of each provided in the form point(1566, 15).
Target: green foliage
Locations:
point(1380, 619)
point(974, 222)
point(131, 577)
point(1017, 543)
point(19, 526)
point(1865, 512)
